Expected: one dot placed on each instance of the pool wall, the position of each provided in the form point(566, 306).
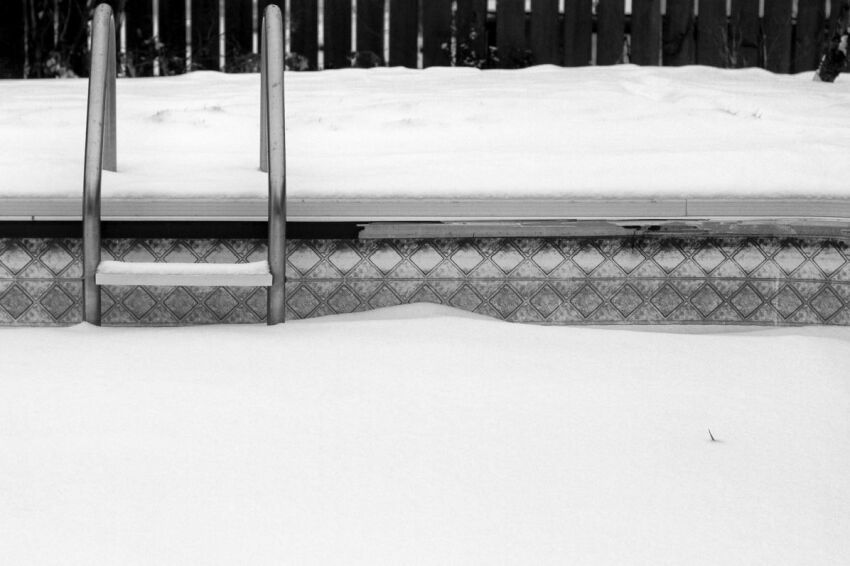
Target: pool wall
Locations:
point(648, 280)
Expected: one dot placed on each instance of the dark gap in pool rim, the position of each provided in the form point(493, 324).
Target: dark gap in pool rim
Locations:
point(429, 229)
point(180, 229)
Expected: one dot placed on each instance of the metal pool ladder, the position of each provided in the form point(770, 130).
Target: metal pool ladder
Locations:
point(101, 153)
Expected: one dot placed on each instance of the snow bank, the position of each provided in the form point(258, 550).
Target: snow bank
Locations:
point(421, 435)
point(621, 131)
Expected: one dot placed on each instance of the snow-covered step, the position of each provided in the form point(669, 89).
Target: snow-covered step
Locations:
point(255, 274)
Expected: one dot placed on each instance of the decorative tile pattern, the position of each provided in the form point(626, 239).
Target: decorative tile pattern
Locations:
point(154, 305)
point(766, 281)
point(40, 281)
point(40, 301)
point(587, 281)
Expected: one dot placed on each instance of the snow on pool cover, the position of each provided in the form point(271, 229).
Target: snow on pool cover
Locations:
point(542, 132)
point(422, 435)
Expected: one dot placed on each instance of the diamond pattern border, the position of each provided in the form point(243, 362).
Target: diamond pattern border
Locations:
point(700, 280)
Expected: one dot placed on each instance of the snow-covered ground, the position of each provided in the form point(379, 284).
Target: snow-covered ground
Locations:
point(541, 132)
point(421, 435)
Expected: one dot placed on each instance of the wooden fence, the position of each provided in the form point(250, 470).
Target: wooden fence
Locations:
point(170, 36)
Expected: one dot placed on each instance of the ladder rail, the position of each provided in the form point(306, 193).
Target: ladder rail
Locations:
point(101, 153)
point(273, 149)
point(100, 150)
point(264, 100)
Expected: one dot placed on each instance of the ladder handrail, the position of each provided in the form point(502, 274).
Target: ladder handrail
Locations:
point(101, 154)
point(264, 102)
point(101, 149)
point(273, 150)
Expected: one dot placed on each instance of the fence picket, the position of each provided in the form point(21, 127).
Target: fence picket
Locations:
point(809, 36)
point(578, 32)
point(73, 33)
point(610, 32)
point(370, 26)
point(471, 25)
point(39, 40)
point(744, 25)
point(777, 36)
point(239, 33)
point(172, 33)
point(205, 34)
point(304, 30)
point(544, 32)
point(835, 16)
point(11, 40)
point(678, 33)
point(337, 40)
point(542, 36)
point(404, 28)
point(712, 34)
point(646, 32)
point(510, 33)
point(436, 32)
point(138, 18)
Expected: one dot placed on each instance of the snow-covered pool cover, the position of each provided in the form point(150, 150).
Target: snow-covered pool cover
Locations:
point(542, 132)
point(421, 435)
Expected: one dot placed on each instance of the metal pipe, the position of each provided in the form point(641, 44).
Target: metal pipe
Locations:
point(273, 124)
point(101, 150)
point(264, 87)
point(110, 126)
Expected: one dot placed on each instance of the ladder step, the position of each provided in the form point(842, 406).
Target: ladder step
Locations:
point(256, 274)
